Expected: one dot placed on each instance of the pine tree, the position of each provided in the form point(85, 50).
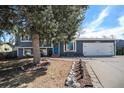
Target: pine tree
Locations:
point(49, 23)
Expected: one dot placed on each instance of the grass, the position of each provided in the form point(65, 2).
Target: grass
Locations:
point(54, 77)
point(13, 63)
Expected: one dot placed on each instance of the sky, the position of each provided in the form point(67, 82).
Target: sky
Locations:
point(103, 21)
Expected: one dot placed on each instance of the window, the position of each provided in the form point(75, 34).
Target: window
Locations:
point(25, 38)
point(27, 52)
point(70, 47)
point(46, 44)
point(43, 52)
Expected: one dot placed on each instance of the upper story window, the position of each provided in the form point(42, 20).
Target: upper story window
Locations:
point(25, 38)
point(70, 47)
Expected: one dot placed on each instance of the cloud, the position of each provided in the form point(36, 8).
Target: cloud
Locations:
point(108, 33)
point(95, 30)
point(121, 21)
point(97, 22)
point(100, 18)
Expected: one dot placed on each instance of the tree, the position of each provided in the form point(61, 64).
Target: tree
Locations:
point(7, 18)
point(50, 23)
point(69, 18)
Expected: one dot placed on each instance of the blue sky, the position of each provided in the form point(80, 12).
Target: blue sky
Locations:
point(103, 21)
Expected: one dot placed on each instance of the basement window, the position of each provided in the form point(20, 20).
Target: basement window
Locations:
point(70, 47)
point(27, 52)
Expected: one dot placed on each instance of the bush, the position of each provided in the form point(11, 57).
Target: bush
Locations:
point(120, 51)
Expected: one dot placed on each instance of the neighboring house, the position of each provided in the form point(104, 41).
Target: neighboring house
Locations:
point(78, 47)
point(120, 43)
point(120, 47)
point(5, 48)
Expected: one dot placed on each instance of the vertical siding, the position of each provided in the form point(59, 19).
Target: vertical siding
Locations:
point(72, 54)
point(20, 52)
point(79, 48)
point(17, 40)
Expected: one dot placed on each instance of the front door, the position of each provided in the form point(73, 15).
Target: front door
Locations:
point(56, 49)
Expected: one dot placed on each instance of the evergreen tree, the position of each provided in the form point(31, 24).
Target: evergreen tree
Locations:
point(49, 23)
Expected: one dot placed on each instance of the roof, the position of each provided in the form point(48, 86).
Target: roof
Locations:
point(107, 39)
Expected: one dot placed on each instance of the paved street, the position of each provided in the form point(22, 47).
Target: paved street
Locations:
point(109, 70)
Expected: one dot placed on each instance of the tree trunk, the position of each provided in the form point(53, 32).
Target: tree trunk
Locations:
point(36, 47)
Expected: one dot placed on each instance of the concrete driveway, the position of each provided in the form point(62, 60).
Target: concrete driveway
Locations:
point(108, 70)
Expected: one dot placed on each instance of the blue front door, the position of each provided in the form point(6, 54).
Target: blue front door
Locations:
point(56, 49)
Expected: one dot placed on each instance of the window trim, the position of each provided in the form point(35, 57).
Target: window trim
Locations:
point(25, 40)
point(74, 45)
point(24, 49)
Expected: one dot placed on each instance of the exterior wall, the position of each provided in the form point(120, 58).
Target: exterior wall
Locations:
point(58, 49)
point(79, 51)
point(120, 47)
point(25, 44)
point(28, 43)
point(19, 43)
point(120, 43)
point(20, 52)
point(79, 48)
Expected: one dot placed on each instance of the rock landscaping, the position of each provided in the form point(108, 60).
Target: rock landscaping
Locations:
point(78, 76)
point(52, 73)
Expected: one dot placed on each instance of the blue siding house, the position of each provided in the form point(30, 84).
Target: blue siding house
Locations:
point(76, 48)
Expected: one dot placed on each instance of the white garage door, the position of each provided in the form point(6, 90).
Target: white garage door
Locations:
point(98, 49)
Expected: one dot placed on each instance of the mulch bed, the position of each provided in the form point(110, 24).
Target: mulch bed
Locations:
point(83, 76)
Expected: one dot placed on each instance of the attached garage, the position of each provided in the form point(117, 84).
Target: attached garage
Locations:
point(88, 47)
point(98, 49)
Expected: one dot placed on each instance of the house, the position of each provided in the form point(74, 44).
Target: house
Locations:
point(120, 47)
point(5, 47)
point(120, 43)
point(78, 47)
point(6, 51)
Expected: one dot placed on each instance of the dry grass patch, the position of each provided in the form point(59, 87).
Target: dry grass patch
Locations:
point(56, 75)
